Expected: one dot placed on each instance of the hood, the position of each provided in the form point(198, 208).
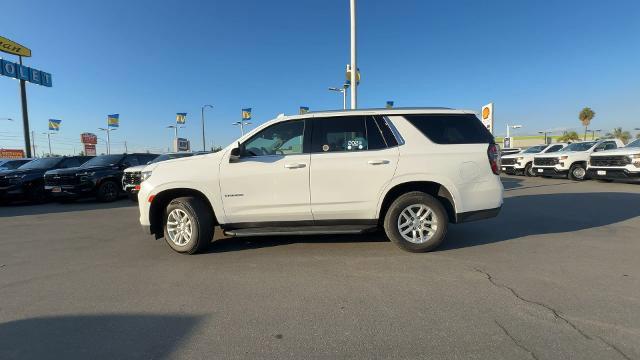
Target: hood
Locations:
point(36, 172)
point(620, 151)
point(562, 153)
point(196, 159)
point(76, 170)
point(135, 168)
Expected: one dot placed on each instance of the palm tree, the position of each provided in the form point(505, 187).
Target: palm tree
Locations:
point(585, 116)
point(618, 133)
point(569, 136)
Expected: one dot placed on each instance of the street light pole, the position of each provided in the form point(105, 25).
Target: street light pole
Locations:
point(545, 135)
point(593, 134)
point(49, 139)
point(354, 65)
point(512, 127)
point(241, 123)
point(108, 130)
point(204, 143)
point(342, 90)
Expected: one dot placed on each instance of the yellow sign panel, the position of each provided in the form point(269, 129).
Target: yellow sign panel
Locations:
point(13, 47)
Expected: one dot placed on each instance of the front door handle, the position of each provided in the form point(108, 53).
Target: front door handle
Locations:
point(377, 162)
point(295, 165)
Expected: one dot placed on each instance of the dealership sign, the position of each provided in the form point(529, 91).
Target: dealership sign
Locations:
point(11, 154)
point(26, 73)
point(12, 47)
point(89, 140)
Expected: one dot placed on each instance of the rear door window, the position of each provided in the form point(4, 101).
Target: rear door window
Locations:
point(340, 134)
point(451, 128)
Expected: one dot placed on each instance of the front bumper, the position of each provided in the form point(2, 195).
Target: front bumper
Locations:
point(71, 191)
point(550, 171)
point(613, 174)
point(12, 192)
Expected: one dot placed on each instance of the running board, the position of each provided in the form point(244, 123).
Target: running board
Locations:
point(301, 230)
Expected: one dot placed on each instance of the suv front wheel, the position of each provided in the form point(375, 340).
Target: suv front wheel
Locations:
point(188, 225)
point(416, 222)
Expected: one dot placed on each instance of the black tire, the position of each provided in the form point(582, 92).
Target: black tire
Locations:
point(528, 170)
point(132, 197)
point(202, 224)
point(577, 172)
point(416, 198)
point(108, 191)
point(37, 194)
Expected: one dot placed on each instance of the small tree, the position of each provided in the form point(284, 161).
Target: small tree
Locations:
point(585, 116)
point(618, 133)
point(569, 136)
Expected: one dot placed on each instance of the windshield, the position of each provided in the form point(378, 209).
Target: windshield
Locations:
point(103, 160)
point(44, 163)
point(533, 150)
point(582, 146)
point(634, 144)
point(165, 157)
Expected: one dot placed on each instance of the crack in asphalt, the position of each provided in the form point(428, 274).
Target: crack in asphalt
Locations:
point(518, 344)
point(555, 313)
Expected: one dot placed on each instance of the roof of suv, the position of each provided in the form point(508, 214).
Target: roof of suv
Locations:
point(380, 111)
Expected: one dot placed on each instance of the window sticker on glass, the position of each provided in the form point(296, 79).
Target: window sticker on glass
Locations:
point(354, 144)
point(325, 147)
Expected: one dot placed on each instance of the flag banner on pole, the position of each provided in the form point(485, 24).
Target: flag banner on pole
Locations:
point(113, 120)
point(303, 110)
point(181, 118)
point(389, 104)
point(487, 116)
point(54, 124)
point(246, 114)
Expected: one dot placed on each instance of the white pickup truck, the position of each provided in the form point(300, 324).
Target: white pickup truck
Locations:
point(571, 162)
point(618, 164)
point(408, 171)
point(522, 163)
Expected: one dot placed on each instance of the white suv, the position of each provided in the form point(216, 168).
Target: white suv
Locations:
point(409, 171)
point(522, 163)
point(571, 162)
point(618, 164)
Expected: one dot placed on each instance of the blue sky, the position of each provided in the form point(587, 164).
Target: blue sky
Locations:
point(540, 62)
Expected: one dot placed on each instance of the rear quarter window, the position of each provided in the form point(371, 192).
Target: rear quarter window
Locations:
point(451, 128)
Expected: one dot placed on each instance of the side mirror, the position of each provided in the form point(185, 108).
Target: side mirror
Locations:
point(235, 154)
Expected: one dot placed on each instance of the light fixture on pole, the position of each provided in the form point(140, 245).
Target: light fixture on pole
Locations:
point(593, 133)
point(175, 128)
point(545, 135)
point(241, 123)
point(512, 127)
point(204, 143)
point(354, 65)
point(49, 138)
point(343, 91)
point(108, 130)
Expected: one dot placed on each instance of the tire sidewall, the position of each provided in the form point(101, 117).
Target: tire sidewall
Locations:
point(102, 196)
point(528, 170)
point(572, 169)
point(191, 246)
point(396, 208)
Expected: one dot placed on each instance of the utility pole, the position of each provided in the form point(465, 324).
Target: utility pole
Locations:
point(25, 114)
point(49, 138)
point(33, 142)
point(354, 66)
point(204, 143)
point(126, 150)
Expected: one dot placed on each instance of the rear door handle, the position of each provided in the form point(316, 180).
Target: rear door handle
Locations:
point(377, 162)
point(295, 165)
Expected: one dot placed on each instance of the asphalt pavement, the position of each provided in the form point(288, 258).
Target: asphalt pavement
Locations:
point(555, 276)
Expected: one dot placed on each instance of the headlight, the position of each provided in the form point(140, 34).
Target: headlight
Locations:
point(144, 175)
point(520, 158)
point(563, 157)
point(14, 179)
point(635, 160)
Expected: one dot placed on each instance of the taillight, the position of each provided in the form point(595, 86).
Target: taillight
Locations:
point(493, 155)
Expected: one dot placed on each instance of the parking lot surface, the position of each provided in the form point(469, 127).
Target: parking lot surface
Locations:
point(555, 275)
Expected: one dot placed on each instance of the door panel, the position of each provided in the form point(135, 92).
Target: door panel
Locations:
point(266, 188)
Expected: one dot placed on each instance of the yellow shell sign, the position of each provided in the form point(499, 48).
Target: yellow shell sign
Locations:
point(486, 112)
point(13, 47)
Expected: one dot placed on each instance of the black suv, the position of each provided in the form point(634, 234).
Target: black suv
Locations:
point(99, 177)
point(26, 182)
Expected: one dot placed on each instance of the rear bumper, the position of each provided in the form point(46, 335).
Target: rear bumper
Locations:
point(613, 174)
point(477, 215)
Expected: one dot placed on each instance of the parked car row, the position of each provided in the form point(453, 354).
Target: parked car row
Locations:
point(606, 159)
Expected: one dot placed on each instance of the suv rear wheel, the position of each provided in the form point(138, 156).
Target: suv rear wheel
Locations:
point(188, 225)
point(416, 222)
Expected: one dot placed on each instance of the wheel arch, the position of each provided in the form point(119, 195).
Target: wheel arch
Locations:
point(163, 198)
point(432, 188)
